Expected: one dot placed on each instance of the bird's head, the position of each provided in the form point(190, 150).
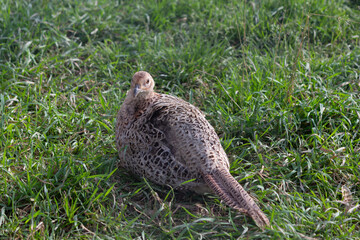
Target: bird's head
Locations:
point(142, 82)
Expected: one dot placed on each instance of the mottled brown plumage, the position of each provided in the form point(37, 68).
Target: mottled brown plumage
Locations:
point(169, 142)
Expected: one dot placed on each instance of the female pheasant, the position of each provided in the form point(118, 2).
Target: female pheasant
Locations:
point(169, 142)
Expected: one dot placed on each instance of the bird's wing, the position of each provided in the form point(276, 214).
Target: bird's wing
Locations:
point(192, 139)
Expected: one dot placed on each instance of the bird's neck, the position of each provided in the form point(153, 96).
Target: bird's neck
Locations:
point(137, 105)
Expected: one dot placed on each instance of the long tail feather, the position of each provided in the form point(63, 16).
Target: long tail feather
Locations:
point(234, 195)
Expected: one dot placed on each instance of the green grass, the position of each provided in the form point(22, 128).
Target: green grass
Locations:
point(279, 81)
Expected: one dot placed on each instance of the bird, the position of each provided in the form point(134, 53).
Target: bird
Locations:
point(169, 142)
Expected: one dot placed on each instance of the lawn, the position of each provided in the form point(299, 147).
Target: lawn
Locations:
point(278, 80)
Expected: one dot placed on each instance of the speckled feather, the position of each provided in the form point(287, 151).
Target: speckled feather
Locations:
point(169, 142)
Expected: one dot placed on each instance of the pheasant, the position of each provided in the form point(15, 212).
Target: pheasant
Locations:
point(169, 142)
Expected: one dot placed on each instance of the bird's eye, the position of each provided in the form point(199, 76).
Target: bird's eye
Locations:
point(147, 82)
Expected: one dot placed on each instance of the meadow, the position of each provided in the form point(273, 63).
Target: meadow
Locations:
point(278, 80)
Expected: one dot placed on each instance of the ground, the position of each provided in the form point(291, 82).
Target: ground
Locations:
point(278, 80)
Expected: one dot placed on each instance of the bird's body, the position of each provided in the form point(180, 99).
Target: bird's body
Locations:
point(169, 142)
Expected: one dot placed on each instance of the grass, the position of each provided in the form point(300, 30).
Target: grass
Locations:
point(279, 81)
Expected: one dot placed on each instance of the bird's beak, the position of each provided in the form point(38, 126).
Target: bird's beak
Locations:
point(136, 89)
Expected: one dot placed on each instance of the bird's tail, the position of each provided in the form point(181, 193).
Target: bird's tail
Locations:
point(234, 195)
